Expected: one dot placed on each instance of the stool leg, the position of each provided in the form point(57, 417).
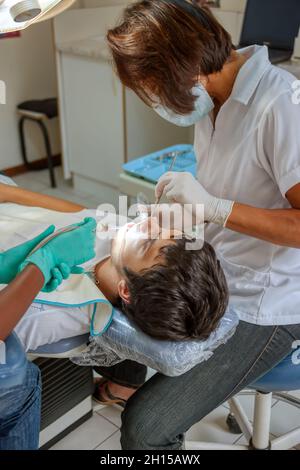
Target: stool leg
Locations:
point(49, 153)
point(262, 420)
point(22, 141)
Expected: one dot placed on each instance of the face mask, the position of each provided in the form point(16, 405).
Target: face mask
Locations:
point(203, 106)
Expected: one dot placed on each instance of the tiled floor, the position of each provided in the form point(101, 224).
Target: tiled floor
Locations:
point(101, 432)
point(39, 181)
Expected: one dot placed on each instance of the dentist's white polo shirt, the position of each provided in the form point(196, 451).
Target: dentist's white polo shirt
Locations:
point(253, 157)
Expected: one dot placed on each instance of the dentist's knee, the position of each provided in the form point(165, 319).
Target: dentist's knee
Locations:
point(146, 429)
point(134, 429)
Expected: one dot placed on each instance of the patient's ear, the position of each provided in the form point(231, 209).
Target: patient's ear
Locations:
point(124, 291)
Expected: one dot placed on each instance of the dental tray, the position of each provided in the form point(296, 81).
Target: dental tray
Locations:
point(152, 167)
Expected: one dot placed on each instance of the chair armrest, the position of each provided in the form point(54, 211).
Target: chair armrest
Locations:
point(64, 348)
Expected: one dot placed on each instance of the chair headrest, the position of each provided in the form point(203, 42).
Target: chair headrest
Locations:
point(123, 340)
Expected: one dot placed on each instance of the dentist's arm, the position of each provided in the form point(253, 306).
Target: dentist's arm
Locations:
point(278, 226)
point(17, 297)
point(29, 198)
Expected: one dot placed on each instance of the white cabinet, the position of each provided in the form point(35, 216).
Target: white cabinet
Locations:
point(93, 119)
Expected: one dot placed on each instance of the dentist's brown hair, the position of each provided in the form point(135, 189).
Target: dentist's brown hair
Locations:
point(161, 47)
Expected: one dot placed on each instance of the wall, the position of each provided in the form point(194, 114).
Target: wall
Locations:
point(102, 3)
point(27, 65)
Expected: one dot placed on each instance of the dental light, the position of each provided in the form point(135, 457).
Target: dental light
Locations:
point(16, 15)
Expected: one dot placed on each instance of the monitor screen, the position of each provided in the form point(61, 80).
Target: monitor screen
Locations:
point(274, 23)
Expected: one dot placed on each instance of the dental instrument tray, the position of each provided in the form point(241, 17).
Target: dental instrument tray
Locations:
point(152, 167)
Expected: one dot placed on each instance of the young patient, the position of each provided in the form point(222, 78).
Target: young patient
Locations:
point(170, 293)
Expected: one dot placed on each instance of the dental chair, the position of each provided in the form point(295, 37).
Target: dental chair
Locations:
point(67, 388)
point(283, 378)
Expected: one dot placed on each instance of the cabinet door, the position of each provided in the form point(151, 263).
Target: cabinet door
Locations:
point(148, 132)
point(93, 108)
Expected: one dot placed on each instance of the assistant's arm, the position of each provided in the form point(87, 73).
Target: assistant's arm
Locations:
point(17, 297)
point(25, 197)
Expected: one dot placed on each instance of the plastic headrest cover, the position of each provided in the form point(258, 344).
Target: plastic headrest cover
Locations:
point(123, 340)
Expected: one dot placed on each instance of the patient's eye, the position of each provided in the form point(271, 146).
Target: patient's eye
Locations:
point(150, 242)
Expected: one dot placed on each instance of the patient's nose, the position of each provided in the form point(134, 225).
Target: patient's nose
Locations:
point(149, 225)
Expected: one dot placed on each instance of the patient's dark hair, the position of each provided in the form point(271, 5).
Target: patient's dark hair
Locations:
point(183, 298)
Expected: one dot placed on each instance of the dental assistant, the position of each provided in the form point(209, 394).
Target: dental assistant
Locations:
point(180, 61)
point(25, 275)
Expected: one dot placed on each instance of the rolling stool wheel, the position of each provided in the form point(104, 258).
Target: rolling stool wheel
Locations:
point(233, 425)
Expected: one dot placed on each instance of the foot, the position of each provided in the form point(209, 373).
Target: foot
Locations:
point(120, 391)
point(106, 391)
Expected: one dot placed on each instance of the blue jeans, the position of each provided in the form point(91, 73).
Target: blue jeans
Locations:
point(20, 408)
point(157, 416)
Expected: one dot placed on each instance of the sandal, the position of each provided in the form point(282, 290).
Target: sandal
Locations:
point(102, 384)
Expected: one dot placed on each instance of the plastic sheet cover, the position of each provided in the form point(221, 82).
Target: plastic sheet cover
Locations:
point(123, 341)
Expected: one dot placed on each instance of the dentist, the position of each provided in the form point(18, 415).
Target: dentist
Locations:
point(180, 61)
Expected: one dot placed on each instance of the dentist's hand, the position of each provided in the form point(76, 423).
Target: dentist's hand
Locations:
point(185, 189)
point(67, 251)
point(11, 259)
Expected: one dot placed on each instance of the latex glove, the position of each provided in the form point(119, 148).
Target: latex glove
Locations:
point(71, 248)
point(185, 189)
point(11, 259)
point(170, 216)
point(58, 274)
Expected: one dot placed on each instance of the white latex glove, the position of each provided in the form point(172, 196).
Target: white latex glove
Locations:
point(185, 189)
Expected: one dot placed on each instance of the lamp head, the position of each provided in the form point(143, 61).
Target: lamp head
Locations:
point(16, 15)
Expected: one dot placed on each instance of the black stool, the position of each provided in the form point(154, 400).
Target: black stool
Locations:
point(38, 111)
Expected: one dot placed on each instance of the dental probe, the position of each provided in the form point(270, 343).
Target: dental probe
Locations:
point(53, 235)
point(157, 201)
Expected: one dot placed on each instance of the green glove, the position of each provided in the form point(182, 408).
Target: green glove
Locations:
point(58, 274)
point(11, 259)
point(70, 248)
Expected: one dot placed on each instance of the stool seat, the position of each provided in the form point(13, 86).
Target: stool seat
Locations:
point(283, 377)
point(47, 108)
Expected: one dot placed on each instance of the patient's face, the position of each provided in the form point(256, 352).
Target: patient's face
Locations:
point(137, 245)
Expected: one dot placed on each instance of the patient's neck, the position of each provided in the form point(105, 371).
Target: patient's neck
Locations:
point(108, 279)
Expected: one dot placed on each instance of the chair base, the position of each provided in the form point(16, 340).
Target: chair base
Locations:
point(258, 434)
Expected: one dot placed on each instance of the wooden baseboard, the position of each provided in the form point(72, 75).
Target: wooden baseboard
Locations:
point(40, 164)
